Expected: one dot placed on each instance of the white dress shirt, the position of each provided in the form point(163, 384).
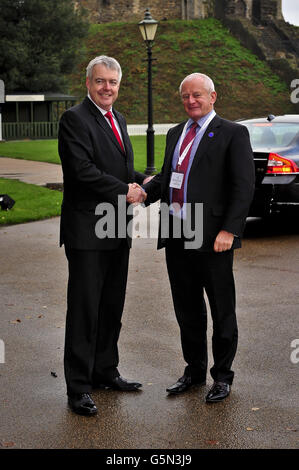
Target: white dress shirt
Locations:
point(104, 111)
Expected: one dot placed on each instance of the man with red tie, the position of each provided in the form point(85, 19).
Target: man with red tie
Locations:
point(208, 162)
point(97, 162)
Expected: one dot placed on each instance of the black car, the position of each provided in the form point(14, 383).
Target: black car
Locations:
point(275, 144)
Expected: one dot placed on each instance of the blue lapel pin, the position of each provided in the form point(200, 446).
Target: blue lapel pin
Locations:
point(211, 134)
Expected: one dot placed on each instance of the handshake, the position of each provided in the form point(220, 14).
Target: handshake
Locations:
point(136, 194)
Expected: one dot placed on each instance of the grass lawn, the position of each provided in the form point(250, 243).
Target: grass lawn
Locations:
point(31, 202)
point(35, 202)
point(46, 150)
point(139, 147)
point(38, 150)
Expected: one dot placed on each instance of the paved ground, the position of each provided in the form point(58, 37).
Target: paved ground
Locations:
point(262, 410)
point(39, 173)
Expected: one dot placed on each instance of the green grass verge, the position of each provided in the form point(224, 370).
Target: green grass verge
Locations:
point(37, 150)
point(139, 147)
point(31, 202)
point(35, 202)
point(46, 151)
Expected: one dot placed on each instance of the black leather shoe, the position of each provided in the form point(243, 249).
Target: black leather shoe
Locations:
point(82, 404)
point(183, 384)
point(119, 383)
point(218, 392)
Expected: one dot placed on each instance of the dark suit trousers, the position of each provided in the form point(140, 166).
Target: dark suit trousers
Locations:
point(190, 273)
point(95, 300)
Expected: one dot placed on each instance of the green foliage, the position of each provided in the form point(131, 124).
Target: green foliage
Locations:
point(40, 42)
point(246, 85)
point(31, 202)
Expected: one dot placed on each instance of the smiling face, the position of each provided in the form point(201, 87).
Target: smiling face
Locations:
point(197, 100)
point(103, 86)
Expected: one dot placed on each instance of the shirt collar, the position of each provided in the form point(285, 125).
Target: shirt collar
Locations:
point(103, 111)
point(202, 120)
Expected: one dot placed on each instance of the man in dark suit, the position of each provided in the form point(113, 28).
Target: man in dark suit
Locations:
point(97, 162)
point(208, 170)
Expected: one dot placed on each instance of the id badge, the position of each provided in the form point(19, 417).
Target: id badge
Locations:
point(176, 180)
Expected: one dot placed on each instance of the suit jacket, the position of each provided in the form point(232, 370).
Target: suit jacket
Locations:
point(222, 177)
point(95, 170)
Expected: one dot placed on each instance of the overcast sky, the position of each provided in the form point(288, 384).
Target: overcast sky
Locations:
point(290, 11)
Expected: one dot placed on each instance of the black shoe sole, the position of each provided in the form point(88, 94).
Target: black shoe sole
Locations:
point(173, 392)
point(114, 387)
point(83, 412)
point(217, 400)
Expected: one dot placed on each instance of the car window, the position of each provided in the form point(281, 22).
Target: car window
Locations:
point(266, 135)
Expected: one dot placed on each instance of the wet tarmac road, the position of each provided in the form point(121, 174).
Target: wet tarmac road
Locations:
point(260, 413)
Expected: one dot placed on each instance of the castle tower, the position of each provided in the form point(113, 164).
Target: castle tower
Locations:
point(259, 11)
point(195, 9)
point(266, 10)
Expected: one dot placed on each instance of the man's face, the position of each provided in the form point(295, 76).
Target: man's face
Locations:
point(103, 86)
point(197, 101)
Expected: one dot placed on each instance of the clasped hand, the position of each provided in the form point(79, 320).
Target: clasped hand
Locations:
point(136, 194)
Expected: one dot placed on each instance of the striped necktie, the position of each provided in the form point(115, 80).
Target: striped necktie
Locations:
point(178, 194)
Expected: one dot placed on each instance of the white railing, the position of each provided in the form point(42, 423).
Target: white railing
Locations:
point(140, 129)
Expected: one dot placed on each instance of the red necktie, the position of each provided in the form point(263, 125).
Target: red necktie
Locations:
point(178, 194)
point(110, 117)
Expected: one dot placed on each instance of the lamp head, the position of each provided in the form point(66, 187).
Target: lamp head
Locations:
point(148, 27)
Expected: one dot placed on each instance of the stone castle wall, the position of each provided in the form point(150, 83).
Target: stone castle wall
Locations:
point(258, 24)
point(104, 11)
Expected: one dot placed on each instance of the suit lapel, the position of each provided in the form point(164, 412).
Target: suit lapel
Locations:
point(170, 148)
point(124, 132)
point(172, 144)
point(207, 140)
point(103, 122)
point(127, 144)
point(205, 143)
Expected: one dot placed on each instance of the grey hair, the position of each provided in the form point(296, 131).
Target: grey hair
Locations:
point(109, 62)
point(208, 82)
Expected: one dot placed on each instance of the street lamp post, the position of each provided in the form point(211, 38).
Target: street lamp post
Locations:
point(148, 27)
point(2, 100)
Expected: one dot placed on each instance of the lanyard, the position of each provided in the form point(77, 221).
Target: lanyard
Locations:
point(201, 131)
